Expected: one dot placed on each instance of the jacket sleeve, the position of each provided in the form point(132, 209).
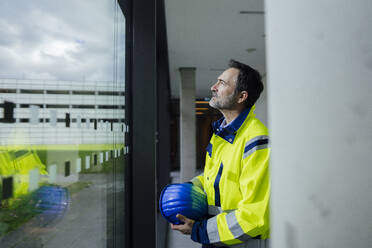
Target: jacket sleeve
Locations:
point(198, 181)
point(251, 218)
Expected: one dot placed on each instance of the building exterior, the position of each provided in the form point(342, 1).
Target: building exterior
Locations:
point(50, 131)
point(62, 112)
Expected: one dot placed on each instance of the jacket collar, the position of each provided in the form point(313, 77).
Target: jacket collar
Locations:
point(228, 133)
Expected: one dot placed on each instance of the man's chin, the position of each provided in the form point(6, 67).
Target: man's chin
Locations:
point(212, 103)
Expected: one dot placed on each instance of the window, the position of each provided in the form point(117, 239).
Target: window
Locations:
point(67, 168)
point(63, 66)
point(58, 92)
point(7, 188)
point(67, 120)
point(95, 159)
point(32, 91)
point(8, 91)
point(8, 112)
point(81, 92)
point(57, 106)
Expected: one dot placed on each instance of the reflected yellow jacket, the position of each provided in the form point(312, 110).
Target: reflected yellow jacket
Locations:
point(236, 181)
point(19, 167)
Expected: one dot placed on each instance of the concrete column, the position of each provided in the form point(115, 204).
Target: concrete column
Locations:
point(52, 173)
point(187, 124)
point(78, 165)
point(34, 178)
point(319, 56)
point(87, 162)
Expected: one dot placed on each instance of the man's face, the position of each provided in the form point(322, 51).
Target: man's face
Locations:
point(223, 91)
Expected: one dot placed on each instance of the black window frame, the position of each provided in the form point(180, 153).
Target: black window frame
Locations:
point(148, 137)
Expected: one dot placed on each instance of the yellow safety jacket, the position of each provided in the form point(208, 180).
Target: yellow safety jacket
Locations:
point(236, 181)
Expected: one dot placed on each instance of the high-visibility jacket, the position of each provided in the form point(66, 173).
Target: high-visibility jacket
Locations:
point(236, 181)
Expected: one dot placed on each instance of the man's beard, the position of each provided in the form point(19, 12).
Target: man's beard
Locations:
point(226, 103)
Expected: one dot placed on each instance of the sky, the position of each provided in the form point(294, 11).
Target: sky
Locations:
point(60, 40)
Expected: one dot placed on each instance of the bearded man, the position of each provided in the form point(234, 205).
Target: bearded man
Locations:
point(236, 174)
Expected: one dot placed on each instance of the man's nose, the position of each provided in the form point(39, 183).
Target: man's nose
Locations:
point(214, 87)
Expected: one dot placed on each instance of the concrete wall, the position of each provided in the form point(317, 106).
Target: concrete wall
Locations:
point(319, 56)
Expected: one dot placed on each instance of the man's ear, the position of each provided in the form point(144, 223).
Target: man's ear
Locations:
point(243, 95)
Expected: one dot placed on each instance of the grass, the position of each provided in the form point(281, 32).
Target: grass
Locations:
point(21, 211)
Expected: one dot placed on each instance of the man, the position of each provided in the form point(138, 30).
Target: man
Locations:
point(236, 173)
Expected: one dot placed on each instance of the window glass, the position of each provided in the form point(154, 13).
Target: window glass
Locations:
point(62, 113)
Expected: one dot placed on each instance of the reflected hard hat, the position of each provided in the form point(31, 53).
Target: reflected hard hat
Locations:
point(185, 199)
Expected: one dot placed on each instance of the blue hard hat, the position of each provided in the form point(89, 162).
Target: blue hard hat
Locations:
point(51, 199)
point(185, 199)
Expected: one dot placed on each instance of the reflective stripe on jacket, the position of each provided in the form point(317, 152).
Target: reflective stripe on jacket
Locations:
point(236, 181)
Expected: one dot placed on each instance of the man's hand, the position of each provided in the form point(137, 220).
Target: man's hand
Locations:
point(185, 228)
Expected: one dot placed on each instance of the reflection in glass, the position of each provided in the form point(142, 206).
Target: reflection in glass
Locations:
point(62, 108)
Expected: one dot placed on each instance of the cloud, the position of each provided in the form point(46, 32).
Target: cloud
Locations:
point(63, 40)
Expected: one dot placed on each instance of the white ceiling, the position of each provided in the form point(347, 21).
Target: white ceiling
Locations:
point(205, 34)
